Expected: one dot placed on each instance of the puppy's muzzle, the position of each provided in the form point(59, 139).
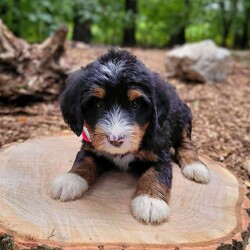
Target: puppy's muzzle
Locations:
point(116, 140)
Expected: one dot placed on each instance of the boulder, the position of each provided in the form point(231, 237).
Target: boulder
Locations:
point(199, 62)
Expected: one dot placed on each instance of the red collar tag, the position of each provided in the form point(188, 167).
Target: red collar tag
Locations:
point(85, 135)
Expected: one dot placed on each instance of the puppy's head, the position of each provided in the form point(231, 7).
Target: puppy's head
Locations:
point(113, 98)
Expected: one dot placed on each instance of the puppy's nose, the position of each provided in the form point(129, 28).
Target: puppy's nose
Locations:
point(116, 140)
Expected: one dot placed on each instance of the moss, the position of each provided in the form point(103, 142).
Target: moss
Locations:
point(44, 247)
point(6, 242)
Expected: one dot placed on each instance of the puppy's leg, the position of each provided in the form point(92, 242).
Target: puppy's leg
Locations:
point(73, 184)
point(150, 203)
point(186, 154)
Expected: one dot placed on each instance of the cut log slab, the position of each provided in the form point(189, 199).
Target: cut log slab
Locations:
point(209, 216)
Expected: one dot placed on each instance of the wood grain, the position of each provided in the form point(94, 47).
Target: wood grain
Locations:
point(201, 215)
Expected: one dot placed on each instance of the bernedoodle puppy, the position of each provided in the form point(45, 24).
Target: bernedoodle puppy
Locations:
point(129, 118)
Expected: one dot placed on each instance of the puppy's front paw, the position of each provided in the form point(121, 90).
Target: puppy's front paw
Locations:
point(149, 210)
point(197, 171)
point(68, 186)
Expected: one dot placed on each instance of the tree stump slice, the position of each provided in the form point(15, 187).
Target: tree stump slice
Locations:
point(202, 216)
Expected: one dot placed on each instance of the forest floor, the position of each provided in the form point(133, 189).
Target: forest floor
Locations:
point(221, 111)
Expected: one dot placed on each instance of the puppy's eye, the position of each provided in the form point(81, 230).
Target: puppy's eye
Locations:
point(99, 104)
point(135, 104)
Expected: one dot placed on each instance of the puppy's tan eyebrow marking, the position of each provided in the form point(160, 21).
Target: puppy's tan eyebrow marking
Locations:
point(134, 94)
point(98, 92)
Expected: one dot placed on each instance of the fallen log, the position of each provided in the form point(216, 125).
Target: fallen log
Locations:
point(212, 216)
point(31, 70)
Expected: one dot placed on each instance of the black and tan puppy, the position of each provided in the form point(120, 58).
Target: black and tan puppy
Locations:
point(130, 118)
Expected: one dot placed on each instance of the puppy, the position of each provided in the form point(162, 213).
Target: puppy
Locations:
point(129, 118)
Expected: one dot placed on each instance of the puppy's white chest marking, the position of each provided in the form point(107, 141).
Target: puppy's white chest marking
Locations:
point(122, 162)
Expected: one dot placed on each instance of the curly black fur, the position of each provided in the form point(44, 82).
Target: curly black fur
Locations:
point(168, 115)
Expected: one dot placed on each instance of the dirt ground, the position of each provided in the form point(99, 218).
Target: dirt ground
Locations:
point(221, 111)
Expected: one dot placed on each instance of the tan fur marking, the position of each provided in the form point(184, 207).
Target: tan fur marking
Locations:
point(146, 155)
point(149, 184)
point(134, 94)
point(186, 153)
point(98, 92)
point(85, 169)
point(138, 135)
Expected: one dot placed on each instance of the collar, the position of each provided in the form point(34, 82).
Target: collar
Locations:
point(85, 135)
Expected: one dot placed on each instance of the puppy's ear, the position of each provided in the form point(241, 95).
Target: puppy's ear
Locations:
point(161, 100)
point(160, 110)
point(71, 103)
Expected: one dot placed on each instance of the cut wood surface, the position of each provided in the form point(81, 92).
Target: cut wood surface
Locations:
point(202, 216)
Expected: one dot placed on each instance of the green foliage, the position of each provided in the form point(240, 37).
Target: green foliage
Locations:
point(109, 27)
point(157, 21)
point(160, 19)
point(34, 20)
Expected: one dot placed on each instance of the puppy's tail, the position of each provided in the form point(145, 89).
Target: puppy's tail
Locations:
point(187, 157)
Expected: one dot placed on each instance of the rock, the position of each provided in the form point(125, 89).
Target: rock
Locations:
point(201, 62)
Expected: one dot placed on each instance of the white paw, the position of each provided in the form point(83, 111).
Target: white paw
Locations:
point(68, 186)
point(149, 210)
point(197, 172)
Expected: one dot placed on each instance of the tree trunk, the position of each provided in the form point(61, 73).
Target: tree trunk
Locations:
point(81, 30)
point(26, 70)
point(245, 35)
point(179, 37)
point(227, 19)
point(129, 32)
point(210, 217)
